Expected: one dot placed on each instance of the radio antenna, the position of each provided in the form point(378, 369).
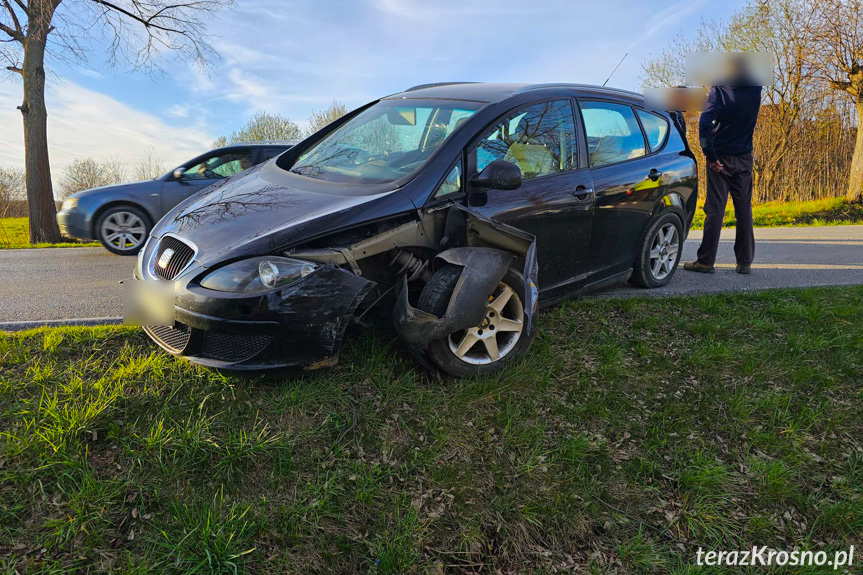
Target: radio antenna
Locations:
point(615, 69)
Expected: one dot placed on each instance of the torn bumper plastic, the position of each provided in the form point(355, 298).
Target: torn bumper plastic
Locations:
point(490, 253)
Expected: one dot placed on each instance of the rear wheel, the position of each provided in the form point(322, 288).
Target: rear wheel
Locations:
point(659, 253)
point(123, 229)
point(498, 341)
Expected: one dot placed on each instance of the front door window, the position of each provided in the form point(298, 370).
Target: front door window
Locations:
point(539, 139)
point(220, 166)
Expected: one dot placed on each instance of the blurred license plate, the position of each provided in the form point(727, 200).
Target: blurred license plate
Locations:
point(148, 302)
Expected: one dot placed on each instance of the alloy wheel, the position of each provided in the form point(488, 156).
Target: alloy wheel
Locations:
point(124, 230)
point(663, 252)
point(498, 333)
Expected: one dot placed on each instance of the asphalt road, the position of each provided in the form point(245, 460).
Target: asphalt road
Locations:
point(82, 284)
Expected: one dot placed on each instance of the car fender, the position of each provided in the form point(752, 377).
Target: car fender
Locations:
point(671, 202)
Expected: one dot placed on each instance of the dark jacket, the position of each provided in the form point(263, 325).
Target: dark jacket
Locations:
point(728, 121)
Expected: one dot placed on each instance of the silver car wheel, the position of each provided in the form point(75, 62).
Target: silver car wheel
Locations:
point(498, 333)
point(664, 250)
point(124, 230)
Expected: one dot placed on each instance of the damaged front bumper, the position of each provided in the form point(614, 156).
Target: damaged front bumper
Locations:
point(299, 325)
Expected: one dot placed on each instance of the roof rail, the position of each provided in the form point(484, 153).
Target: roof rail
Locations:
point(435, 85)
point(264, 143)
point(583, 86)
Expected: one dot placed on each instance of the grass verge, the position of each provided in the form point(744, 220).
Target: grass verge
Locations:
point(635, 425)
point(828, 212)
point(15, 234)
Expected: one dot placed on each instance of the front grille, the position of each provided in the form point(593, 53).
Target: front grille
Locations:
point(183, 254)
point(174, 338)
point(231, 347)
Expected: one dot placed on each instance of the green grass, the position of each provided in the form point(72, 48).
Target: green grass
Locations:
point(727, 420)
point(828, 212)
point(15, 234)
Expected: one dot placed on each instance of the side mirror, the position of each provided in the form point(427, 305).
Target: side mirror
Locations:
point(498, 175)
point(178, 173)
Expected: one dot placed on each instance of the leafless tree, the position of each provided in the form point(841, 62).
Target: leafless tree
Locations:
point(149, 167)
point(12, 190)
point(838, 60)
point(326, 117)
point(87, 173)
point(137, 32)
point(261, 127)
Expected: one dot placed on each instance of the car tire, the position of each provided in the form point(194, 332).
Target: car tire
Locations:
point(123, 230)
point(447, 353)
point(659, 253)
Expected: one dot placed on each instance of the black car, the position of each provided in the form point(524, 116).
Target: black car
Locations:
point(454, 208)
point(121, 216)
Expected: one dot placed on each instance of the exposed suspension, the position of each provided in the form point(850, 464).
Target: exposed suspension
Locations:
point(410, 266)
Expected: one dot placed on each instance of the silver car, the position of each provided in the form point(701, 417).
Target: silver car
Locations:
point(121, 216)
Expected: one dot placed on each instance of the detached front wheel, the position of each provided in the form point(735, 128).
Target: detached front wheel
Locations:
point(499, 340)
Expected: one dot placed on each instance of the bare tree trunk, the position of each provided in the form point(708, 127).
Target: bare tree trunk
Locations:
point(855, 181)
point(40, 192)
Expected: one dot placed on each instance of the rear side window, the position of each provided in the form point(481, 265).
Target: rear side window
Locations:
point(656, 128)
point(269, 153)
point(613, 133)
point(540, 139)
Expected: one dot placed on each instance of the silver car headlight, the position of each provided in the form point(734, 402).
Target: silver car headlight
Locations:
point(257, 274)
point(69, 204)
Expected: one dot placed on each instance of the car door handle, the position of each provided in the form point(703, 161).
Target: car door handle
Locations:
point(654, 174)
point(582, 193)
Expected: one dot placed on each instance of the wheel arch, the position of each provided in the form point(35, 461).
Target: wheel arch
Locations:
point(671, 202)
point(667, 204)
point(116, 203)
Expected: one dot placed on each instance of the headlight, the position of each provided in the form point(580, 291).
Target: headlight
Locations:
point(257, 274)
point(69, 204)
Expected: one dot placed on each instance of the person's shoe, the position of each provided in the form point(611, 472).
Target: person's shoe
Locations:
point(699, 267)
point(743, 269)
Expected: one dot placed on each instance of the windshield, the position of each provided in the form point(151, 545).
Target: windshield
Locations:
point(387, 142)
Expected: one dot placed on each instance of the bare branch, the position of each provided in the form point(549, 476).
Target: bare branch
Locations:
point(14, 16)
point(14, 34)
point(146, 21)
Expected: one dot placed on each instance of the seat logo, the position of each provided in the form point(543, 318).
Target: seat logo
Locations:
point(165, 258)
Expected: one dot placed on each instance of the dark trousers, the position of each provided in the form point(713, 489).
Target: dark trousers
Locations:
point(736, 179)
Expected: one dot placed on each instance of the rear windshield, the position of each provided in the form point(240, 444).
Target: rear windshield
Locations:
point(389, 141)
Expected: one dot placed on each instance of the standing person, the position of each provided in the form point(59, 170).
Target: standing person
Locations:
point(725, 132)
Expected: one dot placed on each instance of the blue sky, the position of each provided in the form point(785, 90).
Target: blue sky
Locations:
point(296, 56)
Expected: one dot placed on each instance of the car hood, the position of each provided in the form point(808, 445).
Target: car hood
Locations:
point(266, 209)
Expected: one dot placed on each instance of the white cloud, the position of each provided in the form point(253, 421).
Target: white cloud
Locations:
point(670, 18)
point(246, 87)
point(82, 122)
point(179, 110)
